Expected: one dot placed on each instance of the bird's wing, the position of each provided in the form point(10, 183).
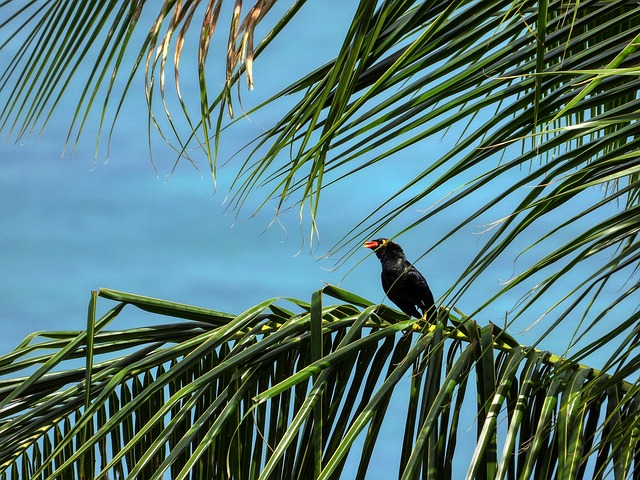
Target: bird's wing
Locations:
point(400, 293)
point(419, 289)
point(387, 281)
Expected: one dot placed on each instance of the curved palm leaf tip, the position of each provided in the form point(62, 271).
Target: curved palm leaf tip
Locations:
point(402, 282)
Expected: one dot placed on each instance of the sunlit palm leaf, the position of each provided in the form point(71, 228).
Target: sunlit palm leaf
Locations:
point(224, 396)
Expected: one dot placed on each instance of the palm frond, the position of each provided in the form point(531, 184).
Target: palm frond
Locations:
point(274, 393)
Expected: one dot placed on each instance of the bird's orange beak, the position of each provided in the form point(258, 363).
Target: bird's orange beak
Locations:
point(371, 244)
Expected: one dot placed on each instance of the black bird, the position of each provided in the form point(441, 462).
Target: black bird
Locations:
point(403, 284)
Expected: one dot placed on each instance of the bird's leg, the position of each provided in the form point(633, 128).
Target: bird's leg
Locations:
point(407, 332)
point(417, 327)
point(423, 321)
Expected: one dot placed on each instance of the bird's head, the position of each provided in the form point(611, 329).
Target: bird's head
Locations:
point(377, 243)
point(383, 245)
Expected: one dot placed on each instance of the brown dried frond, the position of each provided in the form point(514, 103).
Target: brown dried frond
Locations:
point(241, 43)
point(240, 46)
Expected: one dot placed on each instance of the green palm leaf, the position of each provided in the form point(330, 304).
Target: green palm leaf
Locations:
point(240, 398)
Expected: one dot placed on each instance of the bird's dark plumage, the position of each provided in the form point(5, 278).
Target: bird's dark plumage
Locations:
point(403, 284)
